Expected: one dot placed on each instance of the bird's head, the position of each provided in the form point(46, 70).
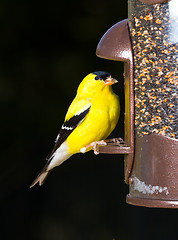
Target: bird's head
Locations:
point(94, 83)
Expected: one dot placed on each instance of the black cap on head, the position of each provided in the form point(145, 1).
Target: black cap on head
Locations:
point(102, 75)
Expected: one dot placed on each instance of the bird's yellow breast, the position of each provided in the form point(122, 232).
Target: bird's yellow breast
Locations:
point(99, 122)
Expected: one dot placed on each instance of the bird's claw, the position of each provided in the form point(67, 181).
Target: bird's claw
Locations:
point(115, 140)
point(94, 146)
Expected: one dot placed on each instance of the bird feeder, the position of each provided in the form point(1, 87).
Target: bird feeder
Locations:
point(147, 43)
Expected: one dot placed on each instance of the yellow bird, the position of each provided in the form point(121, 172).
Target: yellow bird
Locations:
point(91, 117)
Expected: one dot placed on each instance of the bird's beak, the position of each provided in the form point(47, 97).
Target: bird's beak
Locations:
point(110, 81)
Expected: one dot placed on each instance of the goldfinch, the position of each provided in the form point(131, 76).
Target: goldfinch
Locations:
point(91, 117)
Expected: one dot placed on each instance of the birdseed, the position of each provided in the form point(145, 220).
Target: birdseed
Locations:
point(155, 52)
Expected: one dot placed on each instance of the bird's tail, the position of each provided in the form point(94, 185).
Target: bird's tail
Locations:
point(55, 160)
point(42, 175)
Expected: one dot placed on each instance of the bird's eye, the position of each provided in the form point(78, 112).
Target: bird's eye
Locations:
point(96, 78)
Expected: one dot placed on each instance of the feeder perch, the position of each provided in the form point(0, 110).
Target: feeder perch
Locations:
point(147, 43)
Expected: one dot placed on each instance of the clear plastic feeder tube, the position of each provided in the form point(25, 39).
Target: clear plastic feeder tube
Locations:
point(154, 35)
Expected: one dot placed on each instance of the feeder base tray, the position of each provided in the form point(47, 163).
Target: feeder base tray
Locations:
point(152, 203)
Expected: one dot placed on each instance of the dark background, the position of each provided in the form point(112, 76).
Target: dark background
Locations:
point(46, 48)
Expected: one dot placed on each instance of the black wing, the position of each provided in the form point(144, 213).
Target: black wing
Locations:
point(66, 129)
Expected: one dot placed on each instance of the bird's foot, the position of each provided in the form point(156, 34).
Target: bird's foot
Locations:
point(115, 140)
point(94, 146)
